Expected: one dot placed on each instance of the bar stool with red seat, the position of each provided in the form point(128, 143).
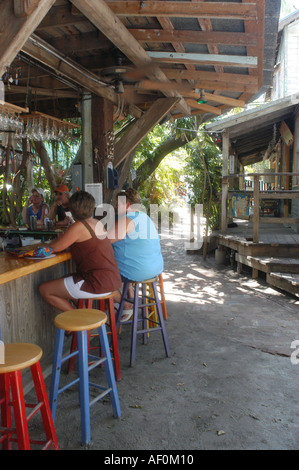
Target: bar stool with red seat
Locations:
point(142, 302)
point(19, 356)
point(106, 304)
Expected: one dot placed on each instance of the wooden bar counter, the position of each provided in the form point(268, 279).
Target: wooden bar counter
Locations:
point(24, 315)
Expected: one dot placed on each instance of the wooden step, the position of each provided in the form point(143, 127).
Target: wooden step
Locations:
point(269, 264)
point(289, 282)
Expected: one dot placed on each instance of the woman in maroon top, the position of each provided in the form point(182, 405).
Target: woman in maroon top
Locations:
point(96, 268)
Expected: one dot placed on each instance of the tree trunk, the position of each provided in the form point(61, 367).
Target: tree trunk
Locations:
point(151, 163)
point(46, 164)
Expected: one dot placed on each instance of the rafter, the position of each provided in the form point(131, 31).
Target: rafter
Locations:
point(18, 29)
point(229, 60)
point(194, 37)
point(178, 9)
point(204, 107)
point(46, 54)
point(197, 75)
point(102, 17)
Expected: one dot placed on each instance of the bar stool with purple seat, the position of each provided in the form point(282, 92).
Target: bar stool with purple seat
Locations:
point(141, 302)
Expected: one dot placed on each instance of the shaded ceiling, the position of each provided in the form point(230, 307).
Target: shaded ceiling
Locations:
point(132, 53)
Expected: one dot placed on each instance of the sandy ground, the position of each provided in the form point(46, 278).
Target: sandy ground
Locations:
point(229, 384)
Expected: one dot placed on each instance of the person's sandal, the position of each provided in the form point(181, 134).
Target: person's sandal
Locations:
point(126, 316)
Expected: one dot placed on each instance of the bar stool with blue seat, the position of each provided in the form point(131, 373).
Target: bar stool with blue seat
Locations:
point(17, 357)
point(81, 321)
point(141, 303)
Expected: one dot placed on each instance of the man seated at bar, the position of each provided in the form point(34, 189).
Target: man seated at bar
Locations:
point(35, 206)
point(136, 244)
point(96, 268)
point(60, 206)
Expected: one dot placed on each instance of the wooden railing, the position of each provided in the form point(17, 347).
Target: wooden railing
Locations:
point(258, 195)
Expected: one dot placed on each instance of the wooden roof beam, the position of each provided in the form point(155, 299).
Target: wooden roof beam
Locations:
point(106, 21)
point(46, 54)
point(195, 37)
point(179, 9)
point(186, 91)
point(18, 20)
point(37, 91)
point(244, 79)
point(204, 107)
point(125, 146)
point(211, 59)
point(254, 27)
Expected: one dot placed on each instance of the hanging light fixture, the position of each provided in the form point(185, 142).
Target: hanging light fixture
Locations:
point(202, 98)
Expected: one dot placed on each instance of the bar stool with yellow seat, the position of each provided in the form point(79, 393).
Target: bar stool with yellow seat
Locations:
point(143, 302)
point(106, 304)
point(81, 321)
point(17, 357)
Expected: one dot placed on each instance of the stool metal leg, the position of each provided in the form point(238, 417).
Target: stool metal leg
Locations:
point(56, 371)
point(83, 386)
point(109, 371)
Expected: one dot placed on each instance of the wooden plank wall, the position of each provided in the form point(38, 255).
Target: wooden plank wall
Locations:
point(24, 316)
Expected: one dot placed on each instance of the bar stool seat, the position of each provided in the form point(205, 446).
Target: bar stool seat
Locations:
point(143, 300)
point(106, 304)
point(81, 321)
point(19, 356)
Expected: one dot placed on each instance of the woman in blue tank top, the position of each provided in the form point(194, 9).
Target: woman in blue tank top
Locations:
point(135, 241)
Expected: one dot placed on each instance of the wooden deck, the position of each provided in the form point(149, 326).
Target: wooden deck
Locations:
point(276, 254)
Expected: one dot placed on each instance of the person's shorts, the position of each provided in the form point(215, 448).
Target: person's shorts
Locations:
point(73, 289)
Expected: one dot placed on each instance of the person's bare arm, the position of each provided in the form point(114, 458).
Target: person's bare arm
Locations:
point(71, 236)
point(120, 229)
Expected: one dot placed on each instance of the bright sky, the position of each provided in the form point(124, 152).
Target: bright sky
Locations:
point(292, 4)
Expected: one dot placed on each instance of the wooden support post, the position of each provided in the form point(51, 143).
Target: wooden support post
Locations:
point(256, 209)
point(225, 154)
point(86, 147)
point(102, 125)
point(125, 146)
point(255, 273)
point(241, 178)
point(287, 179)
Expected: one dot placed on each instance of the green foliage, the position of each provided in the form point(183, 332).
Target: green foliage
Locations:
point(203, 176)
point(165, 186)
point(165, 182)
